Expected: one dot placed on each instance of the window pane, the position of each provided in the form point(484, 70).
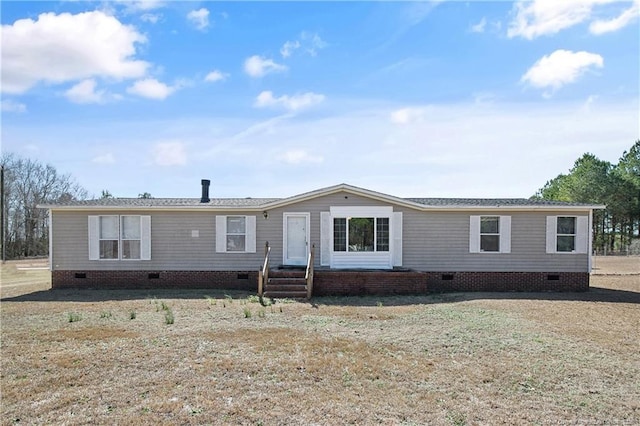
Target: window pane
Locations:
point(235, 225)
point(566, 225)
point(361, 234)
point(108, 227)
point(566, 243)
point(340, 234)
point(131, 227)
point(490, 243)
point(131, 249)
point(382, 234)
point(235, 242)
point(109, 249)
point(489, 225)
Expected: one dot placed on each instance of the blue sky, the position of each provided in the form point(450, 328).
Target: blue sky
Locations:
point(422, 99)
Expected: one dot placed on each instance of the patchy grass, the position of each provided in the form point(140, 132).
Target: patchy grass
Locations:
point(452, 359)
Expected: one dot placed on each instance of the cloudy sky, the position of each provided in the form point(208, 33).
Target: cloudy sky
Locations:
point(449, 98)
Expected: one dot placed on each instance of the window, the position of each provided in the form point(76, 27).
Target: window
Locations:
point(236, 233)
point(109, 237)
point(131, 237)
point(361, 234)
point(340, 234)
point(489, 233)
point(119, 237)
point(566, 234)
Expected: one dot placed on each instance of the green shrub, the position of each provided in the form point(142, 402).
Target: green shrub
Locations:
point(247, 313)
point(168, 316)
point(74, 317)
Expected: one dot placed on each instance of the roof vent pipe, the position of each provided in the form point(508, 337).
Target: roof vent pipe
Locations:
point(205, 191)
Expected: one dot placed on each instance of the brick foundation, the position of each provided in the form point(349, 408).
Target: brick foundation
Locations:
point(332, 282)
point(411, 282)
point(224, 280)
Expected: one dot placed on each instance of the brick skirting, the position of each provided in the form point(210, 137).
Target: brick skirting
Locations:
point(332, 282)
point(223, 280)
point(411, 282)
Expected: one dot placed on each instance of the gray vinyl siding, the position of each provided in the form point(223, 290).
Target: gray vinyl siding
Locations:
point(432, 241)
point(439, 241)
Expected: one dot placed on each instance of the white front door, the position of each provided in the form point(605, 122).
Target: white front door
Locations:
point(296, 238)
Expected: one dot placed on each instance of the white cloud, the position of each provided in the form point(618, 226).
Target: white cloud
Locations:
point(85, 93)
point(152, 18)
point(307, 42)
point(199, 18)
point(257, 66)
point(169, 154)
point(288, 48)
point(479, 27)
point(65, 47)
point(11, 106)
point(107, 158)
point(142, 5)
point(290, 103)
point(151, 88)
point(216, 75)
point(299, 156)
point(543, 17)
point(561, 67)
point(626, 17)
point(407, 115)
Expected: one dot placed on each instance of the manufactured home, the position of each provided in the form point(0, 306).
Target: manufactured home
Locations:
point(332, 241)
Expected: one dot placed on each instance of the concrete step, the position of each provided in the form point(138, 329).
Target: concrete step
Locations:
point(286, 294)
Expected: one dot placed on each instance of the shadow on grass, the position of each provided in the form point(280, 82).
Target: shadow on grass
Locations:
point(103, 295)
point(595, 294)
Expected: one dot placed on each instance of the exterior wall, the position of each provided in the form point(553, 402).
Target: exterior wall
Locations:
point(332, 283)
point(439, 241)
point(435, 241)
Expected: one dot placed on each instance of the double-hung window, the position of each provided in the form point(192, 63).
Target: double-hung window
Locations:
point(361, 234)
point(126, 237)
point(130, 236)
point(490, 234)
point(235, 234)
point(109, 240)
point(567, 234)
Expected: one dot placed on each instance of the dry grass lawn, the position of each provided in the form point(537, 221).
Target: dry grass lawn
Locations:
point(462, 358)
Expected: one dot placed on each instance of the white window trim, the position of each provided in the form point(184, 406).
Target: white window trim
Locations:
point(250, 234)
point(504, 231)
point(375, 234)
point(395, 233)
point(582, 235)
point(94, 238)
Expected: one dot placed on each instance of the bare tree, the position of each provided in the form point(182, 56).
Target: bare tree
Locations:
point(27, 184)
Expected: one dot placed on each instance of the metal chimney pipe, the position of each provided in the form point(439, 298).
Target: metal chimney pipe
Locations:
point(205, 191)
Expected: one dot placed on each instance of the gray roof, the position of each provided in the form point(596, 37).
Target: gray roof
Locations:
point(168, 202)
point(491, 202)
point(267, 203)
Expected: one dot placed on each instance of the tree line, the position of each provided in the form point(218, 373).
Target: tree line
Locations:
point(26, 184)
point(591, 180)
